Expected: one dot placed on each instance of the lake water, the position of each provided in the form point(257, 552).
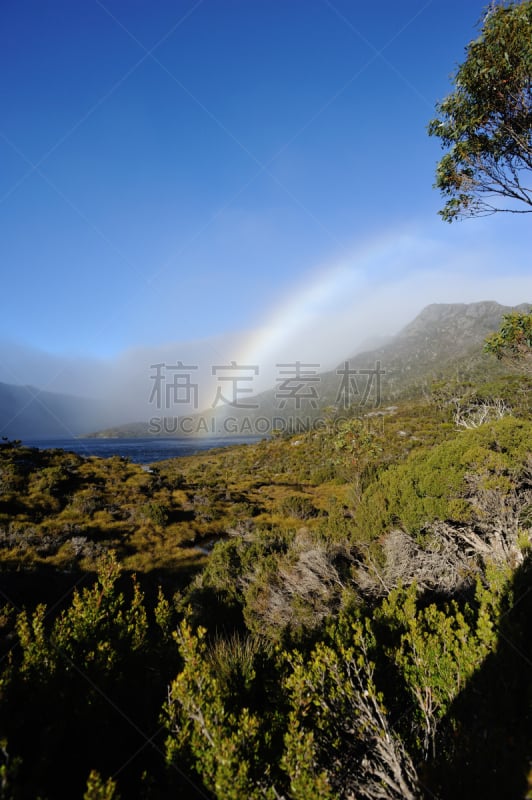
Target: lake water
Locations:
point(139, 451)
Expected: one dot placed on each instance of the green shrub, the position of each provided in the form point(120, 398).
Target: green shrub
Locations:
point(298, 506)
point(157, 513)
point(436, 484)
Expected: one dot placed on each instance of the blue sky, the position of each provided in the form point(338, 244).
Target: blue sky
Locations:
point(180, 171)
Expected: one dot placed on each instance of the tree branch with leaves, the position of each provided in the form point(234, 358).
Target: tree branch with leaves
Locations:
point(512, 343)
point(486, 122)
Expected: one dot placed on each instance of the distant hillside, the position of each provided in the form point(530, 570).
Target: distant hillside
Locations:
point(445, 341)
point(28, 413)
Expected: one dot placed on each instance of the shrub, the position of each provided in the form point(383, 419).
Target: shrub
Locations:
point(438, 484)
point(298, 506)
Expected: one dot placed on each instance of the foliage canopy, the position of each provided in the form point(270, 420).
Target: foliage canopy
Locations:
point(486, 122)
point(513, 341)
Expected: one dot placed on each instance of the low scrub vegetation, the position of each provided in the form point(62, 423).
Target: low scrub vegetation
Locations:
point(342, 614)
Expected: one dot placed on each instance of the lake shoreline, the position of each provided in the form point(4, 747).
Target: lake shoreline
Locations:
point(139, 451)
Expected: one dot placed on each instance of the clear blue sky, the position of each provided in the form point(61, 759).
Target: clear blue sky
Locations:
point(172, 170)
